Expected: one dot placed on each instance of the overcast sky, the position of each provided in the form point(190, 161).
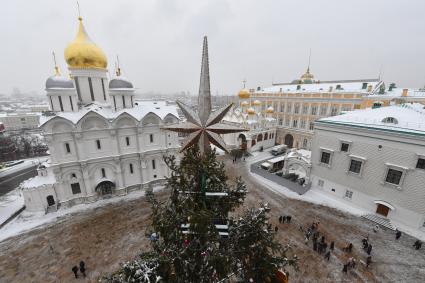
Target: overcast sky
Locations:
point(159, 41)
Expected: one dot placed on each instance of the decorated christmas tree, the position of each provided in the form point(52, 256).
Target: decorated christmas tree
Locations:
point(196, 234)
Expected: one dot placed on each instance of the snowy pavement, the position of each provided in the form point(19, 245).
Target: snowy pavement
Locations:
point(28, 163)
point(27, 221)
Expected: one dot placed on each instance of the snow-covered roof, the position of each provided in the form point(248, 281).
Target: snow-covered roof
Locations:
point(408, 118)
point(138, 112)
point(398, 92)
point(324, 86)
point(38, 181)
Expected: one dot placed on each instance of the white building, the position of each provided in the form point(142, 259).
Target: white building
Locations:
point(376, 159)
point(261, 126)
point(100, 142)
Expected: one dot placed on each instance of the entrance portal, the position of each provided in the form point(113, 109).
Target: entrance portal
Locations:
point(382, 209)
point(50, 200)
point(289, 140)
point(105, 188)
point(242, 142)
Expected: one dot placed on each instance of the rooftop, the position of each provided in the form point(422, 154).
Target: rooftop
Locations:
point(408, 118)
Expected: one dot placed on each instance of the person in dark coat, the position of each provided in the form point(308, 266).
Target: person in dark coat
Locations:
point(276, 229)
point(417, 244)
point(350, 247)
point(332, 245)
point(397, 234)
point(75, 270)
point(328, 255)
point(283, 219)
point(83, 268)
point(369, 249)
point(315, 245)
point(345, 268)
point(288, 218)
point(280, 219)
point(368, 260)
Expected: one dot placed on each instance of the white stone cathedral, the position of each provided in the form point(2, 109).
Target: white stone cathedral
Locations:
point(101, 143)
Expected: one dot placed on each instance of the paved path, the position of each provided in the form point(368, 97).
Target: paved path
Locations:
point(12, 181)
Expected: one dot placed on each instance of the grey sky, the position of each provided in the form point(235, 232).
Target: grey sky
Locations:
point(159, 41)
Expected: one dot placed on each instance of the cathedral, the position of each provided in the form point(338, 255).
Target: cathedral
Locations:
point(101, 142)
point(260, 125)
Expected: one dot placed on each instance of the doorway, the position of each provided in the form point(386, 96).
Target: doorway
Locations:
point(289, 140)
point(50, 200)
point(382, 210)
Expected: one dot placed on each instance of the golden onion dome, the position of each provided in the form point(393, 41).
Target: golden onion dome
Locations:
point(244, 103)
point(270, 110)
point(244, 94)
point(250, 111)
point(83, 52)
point(257, 102)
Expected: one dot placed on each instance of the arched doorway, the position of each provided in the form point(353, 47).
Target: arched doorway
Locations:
point(50, 200)
point(105, 188)
point(289, 140)
point(242, 142)
point(259, 137)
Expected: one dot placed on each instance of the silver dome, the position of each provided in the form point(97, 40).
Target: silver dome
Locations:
point(120, 82)
point(59, 82)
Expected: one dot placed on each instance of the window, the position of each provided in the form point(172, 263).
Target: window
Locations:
point(325, 158)
point(364, 86)
point(60, 103)
point(115, 103)
point(302, 126)
point(349, 194)
point(280, 121)
point(295, 123)
point(103, 173)
point(323, 110)
point(153, 164)
point(305, 109)
point(151, 138)
point(127, 141)
point(338, 87)
point(103, 88)
point(287, 122)
point(321, 183)
point(289, 108)
point(334, 110)
point(313, 110)
point(123, 101)
point(311, 126)
point(75, 187)
point(345, 146)
point(68, 148)
point(98, 144)
point(77, 86)
point(305, 143)
point(73, 175)
point(131, 168)
point(391, 120)
point(421, 163)
point(393, 176)
point(296, 108)
point(70, 101)
point(355, 166)
point(91, 89)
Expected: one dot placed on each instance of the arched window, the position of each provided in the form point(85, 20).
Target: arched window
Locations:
point(390, 120)
point(266, 136)
point(260, 137)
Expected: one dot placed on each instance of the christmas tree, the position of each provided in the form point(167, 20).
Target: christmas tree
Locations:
point(196, 234)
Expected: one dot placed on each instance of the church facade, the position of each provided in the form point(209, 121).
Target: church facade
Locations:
point(101, 142)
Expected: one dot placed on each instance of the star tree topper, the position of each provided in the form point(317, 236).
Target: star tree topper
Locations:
point(204, 127)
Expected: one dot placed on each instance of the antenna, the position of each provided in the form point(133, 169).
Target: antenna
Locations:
point(309, 58)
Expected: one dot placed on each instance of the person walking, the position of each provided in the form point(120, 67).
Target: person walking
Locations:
point(345, 268)
point(283, 219)
point(83, 268)
point(369, 249)
point(368, 260)
point(328, 255)
point(280, 219)
point(332, 245)
point(288, 218)
point(417, 244)
point(350, 247)
point(397, 234)
point(75, 270)
point(276, 229)
point(314, 245)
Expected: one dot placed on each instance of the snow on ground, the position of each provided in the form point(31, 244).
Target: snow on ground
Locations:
point(317, 196)
point(9, 204)
point(29, 220)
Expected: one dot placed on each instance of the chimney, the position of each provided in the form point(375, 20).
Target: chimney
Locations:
point(405, 91)
point(369, 88)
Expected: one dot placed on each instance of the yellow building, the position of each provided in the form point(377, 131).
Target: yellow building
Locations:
point(299, 103)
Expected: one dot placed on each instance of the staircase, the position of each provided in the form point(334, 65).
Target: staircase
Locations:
point(383, 221)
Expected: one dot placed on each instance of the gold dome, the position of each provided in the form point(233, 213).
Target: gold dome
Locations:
point(83, 52)
point(244, 94)
point(244, 103)
point(257, 102)
point(250, 111)
point(270, 110)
